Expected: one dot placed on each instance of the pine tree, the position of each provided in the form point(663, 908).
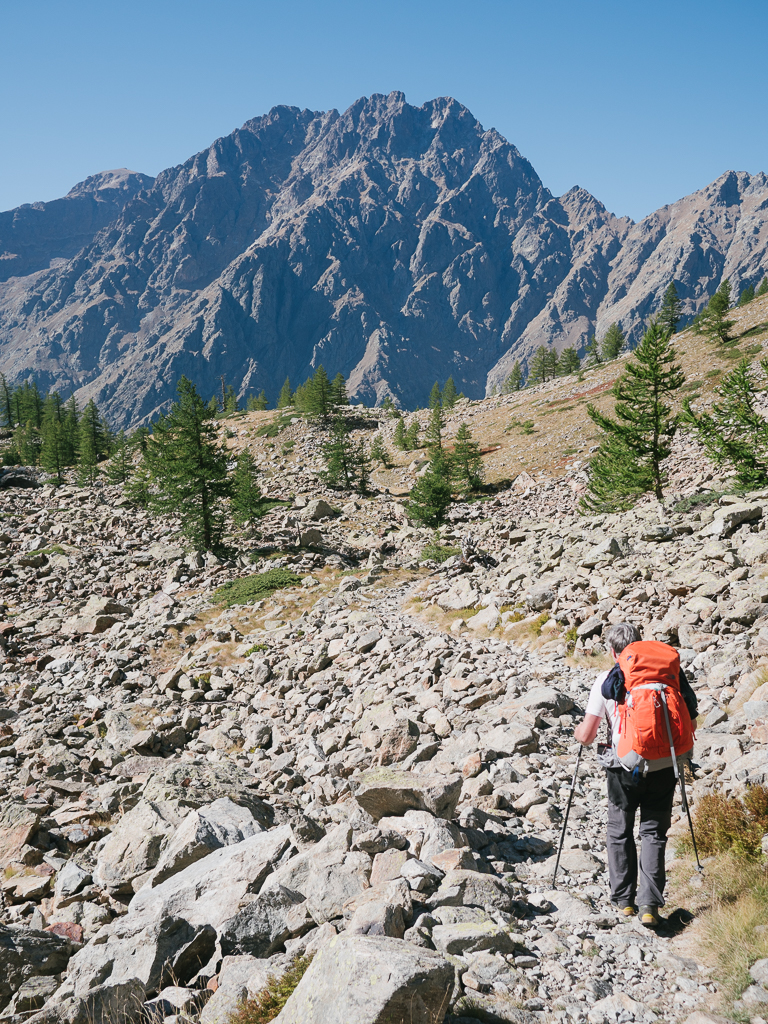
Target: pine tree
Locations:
point(538, 370)
point(430, 496)
point(230, 401)
point(671, 310)
point(734, 433)
point(712, 320)
point(339, 456)
point(747, 294)
point(71, 432)
point(188, 467)
point(246, 501)
point(412, 437)
point(514, 381)
point(466, 462)
point(338, 391)
point(613, 342)
point(257, 403)
point(362, 464)
point(28, 442)
point(379, 451)
point(120, 465)
point(318, 400)
point(434, 434)
point(213, 406)
point(53, 448)
point(399, 436)
point(434, 396)
point(94, 444)
point(6, 410)
point(286, 395)
point(763, 289)
point(568, 362)
point(635, 443)
point(449, 394)
point(592, 355)
point(138, 489)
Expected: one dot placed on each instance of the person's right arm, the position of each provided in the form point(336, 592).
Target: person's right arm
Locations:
point(587, 731)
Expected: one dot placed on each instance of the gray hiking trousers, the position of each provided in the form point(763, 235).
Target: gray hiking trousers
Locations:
point(653, 795)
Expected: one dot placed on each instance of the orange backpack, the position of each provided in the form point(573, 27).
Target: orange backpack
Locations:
point(654, 721)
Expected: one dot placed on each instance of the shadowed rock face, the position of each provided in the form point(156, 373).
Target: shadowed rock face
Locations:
point(393, 243)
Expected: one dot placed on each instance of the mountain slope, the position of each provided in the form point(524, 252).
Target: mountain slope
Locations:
point(393, 243)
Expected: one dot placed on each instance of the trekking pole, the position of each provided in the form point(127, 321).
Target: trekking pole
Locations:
point(680, 777)
point(567, 812)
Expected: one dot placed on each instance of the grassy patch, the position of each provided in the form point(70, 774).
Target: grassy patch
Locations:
point(713, 373)
point(256, 649)
point(436, 552)
point(732, 903)
point(695, 501)
point(254, 588)
point(757, 329)
point(752, 350)
point(54, 549)
point(274, 427)
point(268, 1003)
point(723, 824)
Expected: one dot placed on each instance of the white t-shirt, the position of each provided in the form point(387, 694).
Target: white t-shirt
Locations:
point(602, 708)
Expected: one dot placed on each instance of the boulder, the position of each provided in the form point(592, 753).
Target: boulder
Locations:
point(316, 510)
point(369, 980)
point(27, 953)
point(134, 847)
point(18, 825)
point(171, 930)
point(202, 831)
point(462, 888)
point(508, 741)
point(387, 792)
point(262, 926)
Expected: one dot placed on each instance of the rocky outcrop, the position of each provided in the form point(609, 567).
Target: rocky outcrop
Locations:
point(395, 244)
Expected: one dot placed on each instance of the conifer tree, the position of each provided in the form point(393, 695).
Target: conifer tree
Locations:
point(53, 448)
point(434, 434)
point(318, 399)
point(362, 465)
point(214, 407)
point(94, 444)
point(246, 500)
point(71, 432)
point(712, 321)
point(120, 464)
point(338, 391)
point(592, 355)
point(28, 442)
point(734, 433)
point(5, 402)
point(340, 457)
point(466, 462)
point(379, 451)
point(139, 486)
point(538, 370)
point(434, 396)
point(230, 401)
point(568, 362)
point(747, 294)
point(635, 443)
point(613, 342)
point(188, 468)
point(412, 436)
point(398, 439)
point(430, 496)
point(671, 310)
point(449, 394)
point(763, 288)
point(514, 381)
point(257, 403)
point(286, 395)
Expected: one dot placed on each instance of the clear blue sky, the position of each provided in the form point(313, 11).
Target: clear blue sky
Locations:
point(639, 101)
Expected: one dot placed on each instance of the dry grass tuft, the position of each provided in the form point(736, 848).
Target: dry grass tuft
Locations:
point(723, 824)
point(265, 1006)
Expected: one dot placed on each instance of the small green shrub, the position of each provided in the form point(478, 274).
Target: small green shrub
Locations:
point(436, 552)
point(54, 549)
point(268, 1003)
point(254, 588)
point(257, 648)
point(724, 823)
point(713, 373)
point(273, 428)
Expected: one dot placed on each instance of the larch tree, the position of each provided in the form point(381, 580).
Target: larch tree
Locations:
point(466, 461)
point(613, 342)
point(671, 310)
point(638, 438)
point(449, 394)
point(188, 468)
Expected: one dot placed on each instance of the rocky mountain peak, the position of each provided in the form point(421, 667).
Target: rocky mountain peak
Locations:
point(397, 244)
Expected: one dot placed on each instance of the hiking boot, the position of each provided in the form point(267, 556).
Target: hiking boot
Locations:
point(649, 917)
point(626, 909)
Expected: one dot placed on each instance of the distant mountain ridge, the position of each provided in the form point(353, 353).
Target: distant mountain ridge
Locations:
point(396, 244)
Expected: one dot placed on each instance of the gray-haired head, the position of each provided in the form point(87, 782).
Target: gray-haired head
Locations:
point(621, 635)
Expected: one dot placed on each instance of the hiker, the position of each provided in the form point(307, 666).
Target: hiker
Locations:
point(634, 780)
